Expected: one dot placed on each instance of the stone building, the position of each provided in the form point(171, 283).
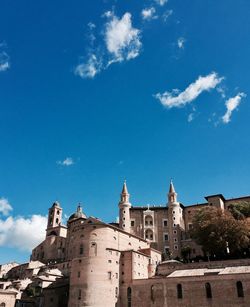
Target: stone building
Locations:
point(92, 263)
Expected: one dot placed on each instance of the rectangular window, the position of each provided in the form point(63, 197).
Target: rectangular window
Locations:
point(132, 223)
point(109, 275)
point(190, 226)
point(165, 236)
point(79, 294)
point(166, 249)
point(165, 223)
point(78, 274)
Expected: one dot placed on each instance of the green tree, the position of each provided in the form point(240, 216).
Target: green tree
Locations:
point(218, 232)
point(240, 210)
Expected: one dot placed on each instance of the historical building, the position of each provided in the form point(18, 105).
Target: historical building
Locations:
point(92, 263)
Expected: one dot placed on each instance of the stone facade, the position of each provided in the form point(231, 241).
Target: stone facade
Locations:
point(92, 263)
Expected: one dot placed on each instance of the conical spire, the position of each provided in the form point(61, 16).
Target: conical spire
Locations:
point(171, 187)
point(172, 195)
point(124, 188)
point(124, 193)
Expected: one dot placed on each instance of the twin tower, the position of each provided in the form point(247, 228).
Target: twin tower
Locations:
point(125, 206)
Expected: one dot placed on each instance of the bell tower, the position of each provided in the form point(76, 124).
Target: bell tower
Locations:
point(124, 206)
point(54, 217)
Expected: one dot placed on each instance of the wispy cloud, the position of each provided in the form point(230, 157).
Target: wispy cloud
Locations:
point(120, 42)
point(231, 104)
point(22, 233)
point(121, 38)
point(175, 98)
point(148, 13)
point(166, 15)
point(180, 42)
point(190, 117)
point(4, 58)
point(67, 162)
point(89, 69)
point(5, 206)
point(161, 2)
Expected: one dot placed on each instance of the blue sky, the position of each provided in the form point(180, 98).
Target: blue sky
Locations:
point(95, 92)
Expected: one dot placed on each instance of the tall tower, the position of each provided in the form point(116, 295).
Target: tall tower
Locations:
point(124, 206)
point(176, 221)
point(54, 217)
point(172, 195)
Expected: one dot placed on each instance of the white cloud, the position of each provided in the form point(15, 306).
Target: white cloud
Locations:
point(161, 2)
point(22, 233)
point(67, 162)
point(89, 69)
point(5, 206)
point(190, 117)
point(122, 40)
point(180, 42)
point(179, 99)
point(4, 61)
point(167, 14)
point(231, 105)
point(148, 13)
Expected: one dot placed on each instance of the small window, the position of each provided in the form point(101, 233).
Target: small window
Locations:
point(175, 232)
point(179, 291)
point(175, 240)
point(165, 237)
point(165, 223)
point(109, 275)
point(166, 250)
point(132, 223)
point(79, 294)
point(81, 250)
point(129, 297)
point(176, 247)
point(116, 291)
point(208, 290)
point(240, 291)
point(78, 274)
point(110, 261)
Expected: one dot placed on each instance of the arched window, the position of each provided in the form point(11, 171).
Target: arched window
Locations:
point(240, 291)
point(57, 220)
point(148, 220)
point(2, 305)
point(129, 297)
point(208, 290)
point(149, 235)
point(179, 291)
point(81, 250)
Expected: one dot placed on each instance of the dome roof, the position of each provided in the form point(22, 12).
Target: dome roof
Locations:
point(78, 214)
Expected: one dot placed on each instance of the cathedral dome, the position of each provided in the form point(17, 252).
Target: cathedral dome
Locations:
point(78, 214)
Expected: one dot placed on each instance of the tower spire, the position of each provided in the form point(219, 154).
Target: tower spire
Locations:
point(171, 187)
point(124, 209)
point(172, 195)
point(124, 194)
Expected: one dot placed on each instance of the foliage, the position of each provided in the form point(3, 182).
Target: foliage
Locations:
point(218, 232)
point(240, 210)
